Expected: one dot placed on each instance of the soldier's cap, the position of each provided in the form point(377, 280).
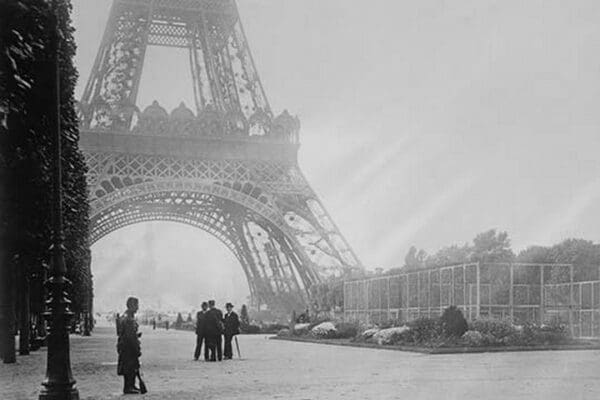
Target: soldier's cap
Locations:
point(228, 305)
point(211, 302)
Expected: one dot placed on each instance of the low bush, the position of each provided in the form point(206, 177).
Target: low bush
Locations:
point(301, 329)
point(272, 328)
point(186, 326)
point(453, 322)
point(494, 331)
point(346, 330)
point(366, 335)
point(394, 335)
point(496, 327)
point(283, 333)
point(554, 333)
point(317, 321)
point(473, 338)
point(250, 329)
point(325, 330)
point(499, 332)
point(424, 330)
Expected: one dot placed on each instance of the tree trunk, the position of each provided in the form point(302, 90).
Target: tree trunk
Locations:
point(7, 309)
point(24, 314)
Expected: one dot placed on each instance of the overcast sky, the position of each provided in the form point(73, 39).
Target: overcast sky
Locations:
point(441, 119)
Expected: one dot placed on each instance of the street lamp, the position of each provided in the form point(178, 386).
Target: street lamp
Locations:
point(59, 382)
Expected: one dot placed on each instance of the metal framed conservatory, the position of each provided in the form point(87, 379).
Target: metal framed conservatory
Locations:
point(538, 293)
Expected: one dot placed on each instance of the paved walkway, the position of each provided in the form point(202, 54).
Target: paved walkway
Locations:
point(290, 370)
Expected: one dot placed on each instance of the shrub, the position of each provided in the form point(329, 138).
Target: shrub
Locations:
point(186, 326)
point(424, 330)
point(316, 322)
point(390, 323)
point(394, 335)
point(283, 332)
point(453, 322)
point(346, 330)
point(473, 338)
point(367, 334)
point(324, 330)
point(497, 332)
point(494, 331)
point(272, 328)
point(250, 328)
point(301, 329)
point(554, 333)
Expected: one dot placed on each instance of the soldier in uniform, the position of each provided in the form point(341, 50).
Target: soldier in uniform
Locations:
point(214, 330)
point(128, 347)
point(232, 328)
point(200, 332)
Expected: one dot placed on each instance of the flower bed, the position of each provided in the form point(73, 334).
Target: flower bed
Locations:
point(450, 331)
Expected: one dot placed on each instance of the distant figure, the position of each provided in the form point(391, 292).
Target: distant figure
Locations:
point(153, 324)
point(214, 330)
point(232, 328)
point(200, 332)
point(167, 324)
point(128, 347)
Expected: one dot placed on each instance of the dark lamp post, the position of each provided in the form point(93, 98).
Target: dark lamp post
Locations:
point(59, 383)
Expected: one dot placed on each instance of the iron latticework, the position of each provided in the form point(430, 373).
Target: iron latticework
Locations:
point(229, 167)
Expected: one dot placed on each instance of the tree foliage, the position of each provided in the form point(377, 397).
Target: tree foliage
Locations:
point(488, 246)
point(244, 317)
point(453, 322)
point(583, 254)
point(492, 246)
point(178, 321)
point(26, 148)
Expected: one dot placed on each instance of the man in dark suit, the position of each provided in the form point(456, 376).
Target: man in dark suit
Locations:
point(214, 330)
point(200, 332)
point(232, 328)
point(128, 347)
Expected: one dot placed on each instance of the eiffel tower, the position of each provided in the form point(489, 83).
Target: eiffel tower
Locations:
point(228, 167)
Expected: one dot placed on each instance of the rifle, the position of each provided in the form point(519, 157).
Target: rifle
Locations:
point(143, 388)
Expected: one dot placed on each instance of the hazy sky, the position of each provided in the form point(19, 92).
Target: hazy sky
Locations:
point(441, 119)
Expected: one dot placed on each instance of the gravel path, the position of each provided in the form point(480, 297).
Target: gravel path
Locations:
point(291, 370)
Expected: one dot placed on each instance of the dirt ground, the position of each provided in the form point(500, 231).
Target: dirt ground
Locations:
point(290, 370)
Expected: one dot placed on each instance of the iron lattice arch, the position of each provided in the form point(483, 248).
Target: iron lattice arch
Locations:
point(228, 167)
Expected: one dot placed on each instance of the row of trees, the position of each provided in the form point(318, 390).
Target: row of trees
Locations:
point(493, 246)
point(26, 158)
point(489, 246)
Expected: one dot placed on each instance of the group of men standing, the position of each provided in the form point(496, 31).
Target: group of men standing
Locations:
point(211, 327)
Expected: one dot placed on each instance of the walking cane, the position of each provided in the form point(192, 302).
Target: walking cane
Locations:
point(237, 346)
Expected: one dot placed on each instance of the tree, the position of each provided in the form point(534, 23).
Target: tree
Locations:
point(450, 255)
point(453, 322)
point(410, 260)
point(178, 321)
point(535, 254)
point(583, 254)
point(26, 155)
point(492, 246)
point(189, 317)
point(244, 317)
point(415, 259)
